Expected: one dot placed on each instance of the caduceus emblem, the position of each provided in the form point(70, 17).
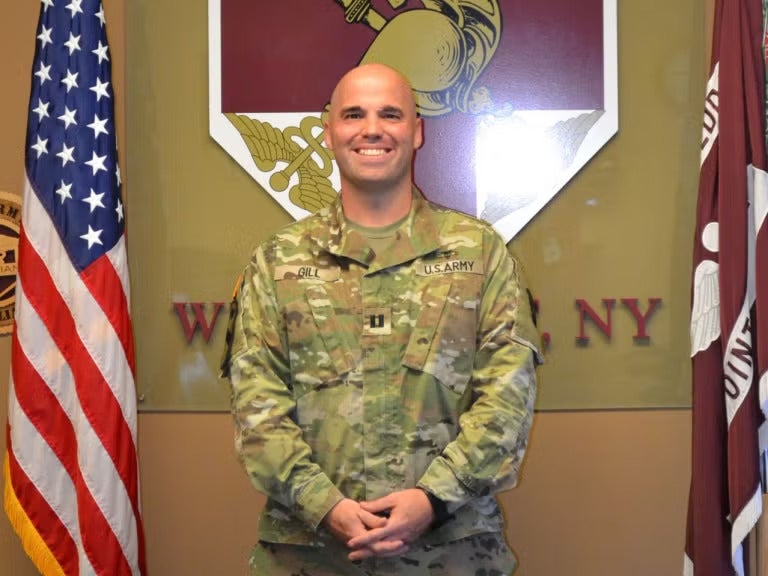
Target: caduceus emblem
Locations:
point(442, 48)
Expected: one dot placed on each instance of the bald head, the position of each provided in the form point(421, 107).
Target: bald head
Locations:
point(379, 75)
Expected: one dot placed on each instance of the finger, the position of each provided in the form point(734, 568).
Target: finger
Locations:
point(372, 536)
point(361, 554)
point(386, 546)
point(380, 550)
point(371, 520)
point(397, 552)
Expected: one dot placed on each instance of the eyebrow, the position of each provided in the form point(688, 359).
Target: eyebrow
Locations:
point(391, 109)
point(349, 109)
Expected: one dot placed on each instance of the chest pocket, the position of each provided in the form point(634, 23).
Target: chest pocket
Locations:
point(319, 353)
point(444, 339)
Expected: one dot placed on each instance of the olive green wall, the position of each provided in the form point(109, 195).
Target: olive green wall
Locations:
point(621, 229)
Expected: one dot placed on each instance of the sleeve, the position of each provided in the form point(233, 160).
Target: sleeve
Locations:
point(487, 453)
point(268, 441)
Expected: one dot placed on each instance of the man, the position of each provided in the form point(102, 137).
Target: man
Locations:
point(382, 361)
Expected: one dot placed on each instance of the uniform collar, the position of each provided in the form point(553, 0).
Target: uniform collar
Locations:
point(419, 235)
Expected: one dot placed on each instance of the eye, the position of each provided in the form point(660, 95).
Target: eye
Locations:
point(352, 115)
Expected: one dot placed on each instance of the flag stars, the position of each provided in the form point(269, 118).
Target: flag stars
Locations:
point(44, 73)
point(68, 117)
point(41, 146)
point(66, 154)
point(97, 163)
point(117, 174)
point(99, 88)
point(92, 237)
point(101, 52)
point(45, 36)
point(98, 126)
point(73, 43)
point(64, 191)
point(74, 7)
point(70, 81)
point(100, 15)
point(94, 201)
point(76, 64)
point(41, 110)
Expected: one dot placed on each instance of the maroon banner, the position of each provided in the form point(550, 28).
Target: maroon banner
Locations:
point(726, 320)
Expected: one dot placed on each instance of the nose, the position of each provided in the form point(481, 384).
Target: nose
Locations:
point(372, 126)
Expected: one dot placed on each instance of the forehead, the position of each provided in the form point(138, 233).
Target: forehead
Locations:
point(373, 89)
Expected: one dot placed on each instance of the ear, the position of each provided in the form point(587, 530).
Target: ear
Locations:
point(327, 136)
point(418, 136)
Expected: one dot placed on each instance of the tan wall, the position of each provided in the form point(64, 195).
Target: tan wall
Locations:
point(601, 493)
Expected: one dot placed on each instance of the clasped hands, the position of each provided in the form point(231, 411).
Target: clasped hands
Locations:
point(383, 527)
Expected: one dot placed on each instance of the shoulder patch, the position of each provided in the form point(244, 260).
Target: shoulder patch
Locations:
point(226, 356)
point(236, 289)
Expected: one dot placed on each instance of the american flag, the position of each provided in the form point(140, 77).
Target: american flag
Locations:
point(71, 467)
point(729, 319)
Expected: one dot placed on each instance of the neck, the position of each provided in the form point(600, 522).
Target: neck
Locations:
point(375, 209)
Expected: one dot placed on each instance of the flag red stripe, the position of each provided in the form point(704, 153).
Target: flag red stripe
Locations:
point(45, 520)
point(101, 545)
point(44, 410)
point(105, 285)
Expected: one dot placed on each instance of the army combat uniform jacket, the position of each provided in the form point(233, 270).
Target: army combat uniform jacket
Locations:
point(357, 374)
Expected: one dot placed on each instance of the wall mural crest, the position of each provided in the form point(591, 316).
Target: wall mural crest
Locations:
point(517, 96)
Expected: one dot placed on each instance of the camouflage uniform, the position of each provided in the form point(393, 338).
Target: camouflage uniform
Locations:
point(357, 374)
point(478, 555)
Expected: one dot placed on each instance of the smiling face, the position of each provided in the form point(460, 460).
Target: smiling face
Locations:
point(373, 131)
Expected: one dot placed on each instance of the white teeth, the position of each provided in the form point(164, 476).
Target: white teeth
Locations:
point(371, 152)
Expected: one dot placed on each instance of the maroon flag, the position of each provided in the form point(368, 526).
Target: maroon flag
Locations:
point(728, 325)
